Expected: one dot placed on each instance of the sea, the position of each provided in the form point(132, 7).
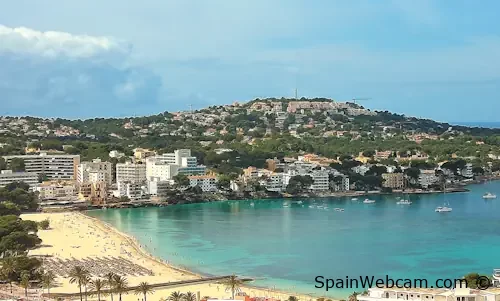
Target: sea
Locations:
point(285, 244)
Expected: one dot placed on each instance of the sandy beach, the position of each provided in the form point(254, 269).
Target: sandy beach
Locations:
point(73, 235)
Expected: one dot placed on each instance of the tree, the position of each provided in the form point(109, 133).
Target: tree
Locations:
point(3, 164)
point(110, 282)
point(175, 296)
point(354, 296)
point(120, 285)
point(413, 173)
point(8, 269)
point(25, 282)
point(472, 279)
point(45, 224)
point(298, 184)
point(48, 280)
point(189, 296)
point(42, 177)
point(144, 288)
point(181, 180)
point(17, 164)
point(233, 284)
point(96, 286)
point(78, 275)
point(85, 281)
point(293, 298)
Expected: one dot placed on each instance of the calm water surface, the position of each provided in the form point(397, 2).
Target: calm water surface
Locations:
point(287, 247)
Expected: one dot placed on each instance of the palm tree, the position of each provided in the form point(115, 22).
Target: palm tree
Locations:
point(85, 281)
point(175, 296)
point(96, 286)
point(77, 275)
point(354, 296)
point(120, 285)
point(48, 280)
point(189, 296)
point(8, 268)
point(293, 298)
point(25, 282)
point(110, 280)
point(232, 283)
point(144, 288)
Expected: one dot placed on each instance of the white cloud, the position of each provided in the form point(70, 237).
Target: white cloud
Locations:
point(51, 44)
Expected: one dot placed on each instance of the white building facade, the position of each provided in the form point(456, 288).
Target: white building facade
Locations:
point(54, 167)
point(8, 176)
point(130, 172)
point(206, 183)
point(95, 171)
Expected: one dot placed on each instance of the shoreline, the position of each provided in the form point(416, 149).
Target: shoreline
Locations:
point(163, 270)
point(136, 245)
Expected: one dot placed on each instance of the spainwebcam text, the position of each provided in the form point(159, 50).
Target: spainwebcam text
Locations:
point(365, 282)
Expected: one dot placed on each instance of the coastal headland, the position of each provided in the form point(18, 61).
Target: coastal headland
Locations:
point(76, 239)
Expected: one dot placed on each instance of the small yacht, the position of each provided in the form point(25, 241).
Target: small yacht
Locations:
point(489, 196)
point(339, 209)
point(404, 202)
point(312, 206)
point(368, 201)
point(299, 202)
point(443, 209)
point(252, 204)
point(354, 199)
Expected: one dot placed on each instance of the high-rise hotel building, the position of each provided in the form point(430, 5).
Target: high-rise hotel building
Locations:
point(54, 167)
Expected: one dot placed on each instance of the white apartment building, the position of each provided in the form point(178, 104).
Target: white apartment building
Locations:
point(206, 183)
point(425, 294)
point(7, 177)
point(427, 178)
point(321, 180)
point(275, 182)
point(345, 185)
point(320, 177)
point(178, 162)
point(55, 167)
point(95, 171)
point(132, 190)
point(158, 169)
point(130, 172)
point(116, 154)
point(56, 190)
point(158, 188)
point(467, 171)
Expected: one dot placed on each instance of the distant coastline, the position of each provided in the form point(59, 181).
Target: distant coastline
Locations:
point(490, 125)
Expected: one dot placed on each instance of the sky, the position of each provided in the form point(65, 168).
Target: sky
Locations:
point(89, 58)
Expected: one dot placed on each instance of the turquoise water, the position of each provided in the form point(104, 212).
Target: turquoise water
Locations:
point(287, 248)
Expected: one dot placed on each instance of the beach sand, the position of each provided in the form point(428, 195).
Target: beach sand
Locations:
point(76, 235)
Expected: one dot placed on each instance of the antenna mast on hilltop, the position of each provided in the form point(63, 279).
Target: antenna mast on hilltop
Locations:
point(296, 94)
point(191, 108)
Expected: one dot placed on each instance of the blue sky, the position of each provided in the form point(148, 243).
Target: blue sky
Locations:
point(434, 59)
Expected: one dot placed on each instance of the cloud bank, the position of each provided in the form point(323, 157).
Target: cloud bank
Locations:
point(46, 73)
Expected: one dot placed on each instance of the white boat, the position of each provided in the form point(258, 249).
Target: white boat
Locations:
point(443, 209)
point(404, 202)
point(252, 204)
point(339, 209)
point(299, 202)
point(354, 199)
point(312, 206)
point(489, 196)
point(367, 201)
